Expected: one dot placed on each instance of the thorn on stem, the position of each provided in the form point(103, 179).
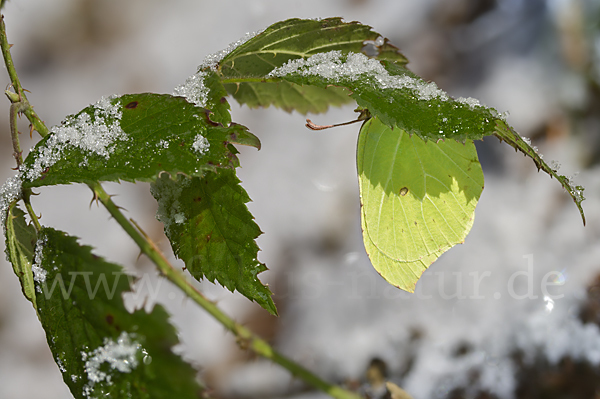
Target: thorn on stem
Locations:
point(95, 198)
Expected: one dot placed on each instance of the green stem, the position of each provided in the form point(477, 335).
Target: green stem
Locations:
point(24, 107)
point(246, 339)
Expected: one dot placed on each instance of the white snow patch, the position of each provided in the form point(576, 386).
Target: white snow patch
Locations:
point(95, 135)
point(120, 356)
point(179, 218)
point(39, 273)
point(201, 144)
point(334, 67)
point(212, 61)
point(10, 191)
point(194, 89)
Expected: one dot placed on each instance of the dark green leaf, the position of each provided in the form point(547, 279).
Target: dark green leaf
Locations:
point(506, 133)
point(20, 240)
point(244, 69)
point(134, 137)
point(101, 348)
point(212, 231)
point(395, 95)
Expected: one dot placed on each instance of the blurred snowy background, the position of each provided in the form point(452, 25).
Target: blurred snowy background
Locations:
point(509, 314)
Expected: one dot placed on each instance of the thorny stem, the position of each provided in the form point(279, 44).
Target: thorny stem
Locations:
point(246, 339)
point(20, 97)
point(19, 105)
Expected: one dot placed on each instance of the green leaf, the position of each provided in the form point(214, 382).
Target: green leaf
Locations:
point(288, 96)
point(298, 38)
point(20, 240)
point(205, 89)
point(505, 133)
point(418, 199)
point(134, 137)
point(244, 69)
point(212, 231)
point(395, 95)
point(101, 348)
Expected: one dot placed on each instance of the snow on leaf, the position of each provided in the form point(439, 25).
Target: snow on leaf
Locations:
point(101, 349)
point(243, 71)
point(9, 193)
point(136, 138)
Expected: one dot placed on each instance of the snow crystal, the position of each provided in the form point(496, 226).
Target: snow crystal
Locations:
point(121, 356)
point(212, 61)
point(470, 101)
point(179, 218)
point(380, 41)
point(194, 89)
point(201, 144)
point(39, 274)
point(163, 144)
point(10, 191)
point(334, 67)
point(61, 365)
point(93, 134)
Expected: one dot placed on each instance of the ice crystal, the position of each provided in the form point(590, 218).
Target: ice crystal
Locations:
point(194, 90)
point(201, 144)
point(94, 134)
point(10, 191)
point(121, 356)
point(212, 61)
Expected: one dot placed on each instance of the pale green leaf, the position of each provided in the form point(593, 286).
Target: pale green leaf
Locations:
point(20, 240)
point(418, 199)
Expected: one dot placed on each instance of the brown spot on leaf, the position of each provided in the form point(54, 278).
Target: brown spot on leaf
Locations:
point(132, 105)
point(197, 199)
point(110, 319)
point(207, 113)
